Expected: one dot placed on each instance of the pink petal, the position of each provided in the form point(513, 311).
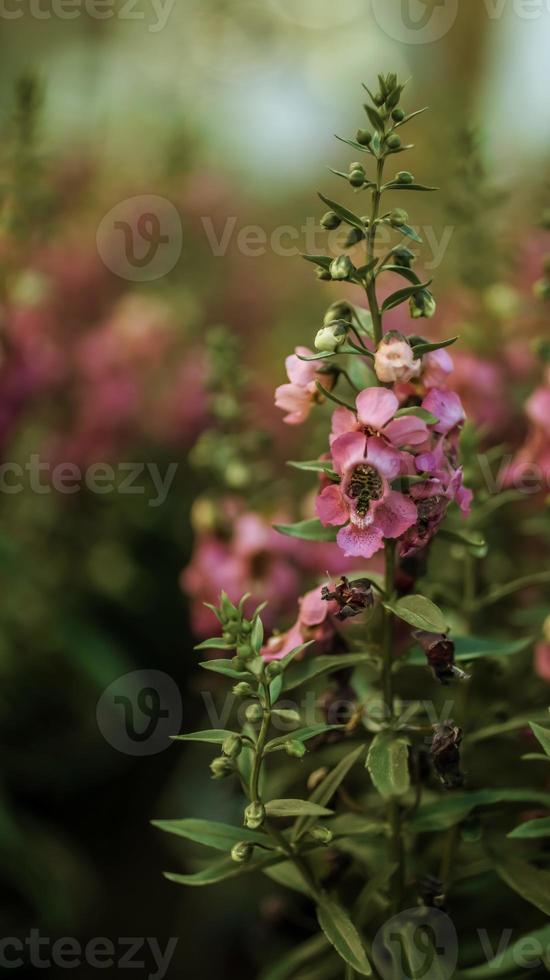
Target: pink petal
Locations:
point(376, 406)
point(330, 507)
point(538, 408)
point(395, 514)
point(406, 431)
point(384, 458)
point(313, 609)
point(542, 660)
point(343, 421)
point(277, 647)
point(359, 542)
point(348, 450)
point(294, 400)
point(446, 406)
point(300, 372)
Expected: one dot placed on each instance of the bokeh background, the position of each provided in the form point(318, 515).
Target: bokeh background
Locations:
point(226, 112)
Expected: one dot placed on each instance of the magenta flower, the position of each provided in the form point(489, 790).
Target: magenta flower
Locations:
point(376, 408)
point(363, 501)
point(447, 408)
point(314, 622)
point(298, 397)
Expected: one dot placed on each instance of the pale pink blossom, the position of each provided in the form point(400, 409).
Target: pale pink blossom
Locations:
point(297, 397)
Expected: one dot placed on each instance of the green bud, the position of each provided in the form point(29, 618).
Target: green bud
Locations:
point(254, 713)
point(321, 834)
point(242, 852)
point(331, 337)
point(232, 746)
point(378, 99)
point(364, 137)
point(254, 815)
point(404, 177)
point(246, 626)
point(398, 115)
point(357, 177)
point(422, 304)
point(403, 256)
point(340, 310)
point(398, 217)
point(330, 220)
point(353, 236)
point(342, 267)
point(274, 668)
point(541, 289)
point(393, 141)
point(245, 651)
point(295, 748)
point(323, 274)
point(243, 690)
point(221, 767)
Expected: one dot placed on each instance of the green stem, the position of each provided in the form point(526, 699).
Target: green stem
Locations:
point(371, 242)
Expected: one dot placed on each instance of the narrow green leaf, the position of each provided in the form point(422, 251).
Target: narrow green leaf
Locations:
point(296, 808)
point(300, 735)
point(286, 874)
point(325, 261)
point(354, 144)
point(528, 881)
point(388, 764)
point(473, 540)
point(420, 612)
point(326, 790)
point(402, 295)
point(214, 643)
point(310, 530)
point(528, 948)
point(450, 810)
point(348, 216)
point(532, 828)
point(298, 956)
point(542, 735)
point(215, 736)
point(401, 270)
point(342, 934)
point(501, 591)
point(409, 232)
point(375, 118)
point(396, 185)
point(224, 667)
point(211, 833)
point(418, 412)
point(309, 669)
point(222, 870)
point(425, 348)
point(313, 466)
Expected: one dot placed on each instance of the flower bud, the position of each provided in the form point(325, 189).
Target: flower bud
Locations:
point(316, 778)
point(232, 746)
point(393, 141)
point(398, 217)
point(364, 137)
point(353, 236)
point(357, 177)
point(330, 220)
point(254, 815)
point(221, 767)
point(323, 274)
point(321, 834)
point(242, 690)
point(398, 115)
point(331, 337)
point(342, 267)
point(242, 852)
point(394, 359)
point(404, 177)
point(274, 669)
point(245, 651)
point(403, 256)
point(338, 311)
point(422, 304)
point(254, 713)
point(295, 748)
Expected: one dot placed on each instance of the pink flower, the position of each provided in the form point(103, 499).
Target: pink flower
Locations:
point(542, 660)
point(437, 365)
point(313, 623)
point(447, 408)
point(363, 501)
point(298, 397)
point(376, 408)
point(530, 468)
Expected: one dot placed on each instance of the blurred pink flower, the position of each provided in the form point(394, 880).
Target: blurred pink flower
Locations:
point(314, 622)
point(297, 397)
point(542, 660)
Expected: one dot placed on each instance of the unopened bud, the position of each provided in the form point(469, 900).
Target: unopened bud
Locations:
point(254, 713)
point(402, 256)
point(221, 767)
point(398, 217)
point(342, 267)
point(245, 651)
point(232, 746)
point(353, 236)
point(404, 177)
point(357, 177)
point(330, 220)
point(254, 815)
point(295, 748)
point(274, 668)
point(242, 852)
point(394, 360)
point(422, 304)
point(323, 274)
point(331, 337)
point(321, 834)
point(398, 115)
point(364, 137)
point(340, 310)
point(393, 142)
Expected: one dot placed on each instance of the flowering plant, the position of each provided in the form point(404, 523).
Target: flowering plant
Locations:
point(363, 846)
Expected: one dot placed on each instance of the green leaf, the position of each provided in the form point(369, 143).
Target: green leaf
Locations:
point(396, 185)
point(500, 728)
point(222, 870)
point(401, 270)
point(342, 934)
point(501, 591)
point(522, 950)
point(532, 828)
point(402, 295)
point(450, 810)
point(528, 881)
point(348, 216)
point(354, 144)
point(224, 667)
point(388, 764)
point(214, 643)
point(409, 232)
point(215, 736)
point(375, 118)
point(287, 874)
point(542, 735)
point(301, 735)
point(319, 357)
point(296, 808)
point(221, 836)
point(309, 669)
point(473, 540)
point(310, 530)
point(425, 348)
point(313, 466)
point(422, 959)
point(298, 956)
point(326, 790)
point(420, 612)
point(418, 412)
point(325, 261)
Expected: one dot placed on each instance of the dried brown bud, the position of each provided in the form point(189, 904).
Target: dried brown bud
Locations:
point(440, 654)
point(445, 751)
point(352, 597)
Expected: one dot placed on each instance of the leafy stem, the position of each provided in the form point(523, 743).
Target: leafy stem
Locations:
point(371, 242)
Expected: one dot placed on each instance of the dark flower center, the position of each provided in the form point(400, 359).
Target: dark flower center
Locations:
point(365, 485)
